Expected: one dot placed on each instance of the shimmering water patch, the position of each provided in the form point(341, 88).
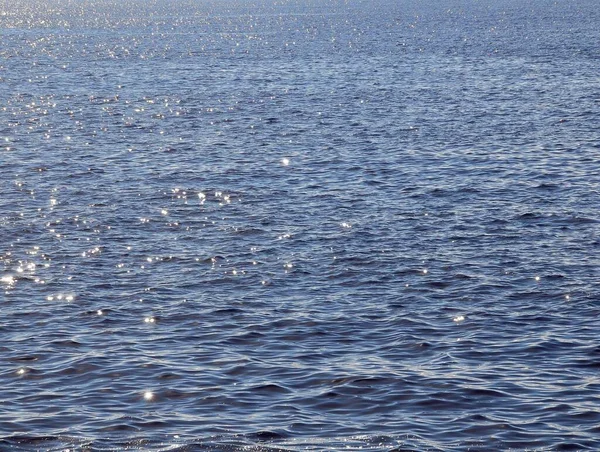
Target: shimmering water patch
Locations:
point(298, 226)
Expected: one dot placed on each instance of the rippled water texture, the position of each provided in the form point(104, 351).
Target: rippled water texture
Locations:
point(299, 225)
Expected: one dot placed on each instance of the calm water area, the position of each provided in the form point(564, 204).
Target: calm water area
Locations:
point(299, 225)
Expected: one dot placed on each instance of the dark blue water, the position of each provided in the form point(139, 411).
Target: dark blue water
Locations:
point(299, 225)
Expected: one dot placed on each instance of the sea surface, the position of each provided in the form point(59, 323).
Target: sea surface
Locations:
point(299, 225)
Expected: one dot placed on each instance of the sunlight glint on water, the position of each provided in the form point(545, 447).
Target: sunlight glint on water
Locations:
point(299, 225)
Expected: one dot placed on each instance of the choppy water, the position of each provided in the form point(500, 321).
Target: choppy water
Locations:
point(299, 225)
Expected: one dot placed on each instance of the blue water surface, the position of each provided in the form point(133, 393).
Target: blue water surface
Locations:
point(299, 225)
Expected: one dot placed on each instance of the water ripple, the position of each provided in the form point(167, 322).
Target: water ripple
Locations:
point(299, 227)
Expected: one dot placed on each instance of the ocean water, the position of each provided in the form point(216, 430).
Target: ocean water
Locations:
point(299, 225)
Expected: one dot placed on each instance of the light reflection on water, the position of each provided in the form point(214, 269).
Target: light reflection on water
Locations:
point(315, 226)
